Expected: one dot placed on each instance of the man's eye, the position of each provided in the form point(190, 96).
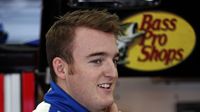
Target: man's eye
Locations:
point(115, 61)
point(97, 61)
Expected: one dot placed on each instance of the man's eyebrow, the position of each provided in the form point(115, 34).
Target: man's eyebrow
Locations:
point(96, 54)
point(101, 54)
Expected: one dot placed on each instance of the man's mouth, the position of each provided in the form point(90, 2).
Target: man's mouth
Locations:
point(105, 85)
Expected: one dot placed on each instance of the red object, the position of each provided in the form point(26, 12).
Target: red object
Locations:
point(28, 91)
point(1, 92)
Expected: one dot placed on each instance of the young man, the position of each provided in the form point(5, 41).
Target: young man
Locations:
point(82, 54)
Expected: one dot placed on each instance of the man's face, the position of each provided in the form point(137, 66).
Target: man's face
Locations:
point(94, 75)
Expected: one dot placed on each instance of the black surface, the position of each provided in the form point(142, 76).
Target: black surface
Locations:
point(186, 9)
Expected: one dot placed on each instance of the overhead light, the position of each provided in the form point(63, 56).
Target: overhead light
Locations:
point(116, 4)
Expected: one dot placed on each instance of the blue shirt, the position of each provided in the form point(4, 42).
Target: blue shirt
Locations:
point(60, 101)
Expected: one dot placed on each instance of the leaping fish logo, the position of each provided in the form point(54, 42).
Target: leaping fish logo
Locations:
point(126, 40)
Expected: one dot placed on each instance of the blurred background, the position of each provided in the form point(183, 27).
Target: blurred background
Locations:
point(159, 62)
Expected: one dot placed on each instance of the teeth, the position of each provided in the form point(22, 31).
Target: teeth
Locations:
point(104, 85)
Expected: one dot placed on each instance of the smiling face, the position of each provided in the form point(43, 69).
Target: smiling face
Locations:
point(94, 75)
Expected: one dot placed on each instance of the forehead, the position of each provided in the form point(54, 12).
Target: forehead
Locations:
point(90, 40)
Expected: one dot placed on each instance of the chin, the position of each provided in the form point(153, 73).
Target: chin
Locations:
point(107, 102)
point(102, 104)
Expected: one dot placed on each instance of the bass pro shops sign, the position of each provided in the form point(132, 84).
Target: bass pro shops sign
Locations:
point(155, 40)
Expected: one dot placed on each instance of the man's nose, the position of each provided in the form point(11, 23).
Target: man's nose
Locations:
point(111, 69)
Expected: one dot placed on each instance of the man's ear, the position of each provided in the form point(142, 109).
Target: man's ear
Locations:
point(60, 67)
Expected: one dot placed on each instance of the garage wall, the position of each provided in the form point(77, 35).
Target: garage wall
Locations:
point(146, 95)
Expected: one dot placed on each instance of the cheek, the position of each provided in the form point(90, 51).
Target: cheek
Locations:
point(87, 74)
point(85, 80)
point(83, 87)
point(84, 77)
